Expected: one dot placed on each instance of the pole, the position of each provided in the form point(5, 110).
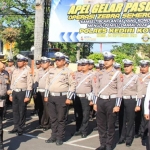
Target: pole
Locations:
point(38, 29)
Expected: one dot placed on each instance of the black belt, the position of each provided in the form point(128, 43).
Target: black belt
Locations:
point(2, 97)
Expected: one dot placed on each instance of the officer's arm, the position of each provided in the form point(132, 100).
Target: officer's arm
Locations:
point(47, 86)
point(139, 92)
point(119, 89)
point(35, 82)
point(72, 85)
point(29, 85)
point(147, 99)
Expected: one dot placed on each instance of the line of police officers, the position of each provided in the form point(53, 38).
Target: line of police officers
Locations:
point(55, 88)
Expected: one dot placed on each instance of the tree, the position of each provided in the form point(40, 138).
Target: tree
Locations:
point(131, 50)
point(70, 49)
point(9, 35)
point(96, 57)
point(19, 14)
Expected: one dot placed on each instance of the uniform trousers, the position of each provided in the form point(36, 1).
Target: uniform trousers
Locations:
point(126, 119)
point(57, 112)
point(45, 120)
point(36, 103)
point(1, 125)
point(144, 122)
point(40, 106)
point(106, 120)
point(82, 112)
point(19, 110)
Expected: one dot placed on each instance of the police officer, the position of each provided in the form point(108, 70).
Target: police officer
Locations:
point(129, 105)
point(10, 68)
point(101, 64)
point(26, 64)
point(141, 123)
point(97, 68)
point(147, 109)
point(83, 97)
point(91, 64)
point(60, 88)
point(117, 66)
point(67, 61)
point(107, 101)
point(38, 68)
point(4, 82)
point(20, 91)
point(40, 82)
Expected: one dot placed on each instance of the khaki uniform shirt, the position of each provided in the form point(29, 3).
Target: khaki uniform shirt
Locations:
point(115, 87)
point(10, 71)
point(24, 81)
point(4, 82)
point(144, 80)
point(60, 80)
point(86, 86)
point(131, 89)
point(41, 78)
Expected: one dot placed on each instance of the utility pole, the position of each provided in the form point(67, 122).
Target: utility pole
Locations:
point(38, 29)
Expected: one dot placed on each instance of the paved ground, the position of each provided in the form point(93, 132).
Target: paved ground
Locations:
point(35, 139)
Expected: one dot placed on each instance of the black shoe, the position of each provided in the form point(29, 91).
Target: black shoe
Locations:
point(19, 133)
point(121, 141)
point(83, 135)
point(46, 128)
point(59, 142)
point(1, 147)
point(102, 147)
point(144, 140)
point(109, 148)
point(14, 131)
point(50, 140)
point(4, 118)
point(136, 136)
point(95, 129)
point(128, 144)
point(33, 112)
point(39, 127)
point(77, 133)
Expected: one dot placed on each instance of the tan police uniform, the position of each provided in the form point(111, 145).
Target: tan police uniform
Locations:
point(21, 86)
point(60, 85)
point(84, 89)
point(108, 95)
point(141, 124)
point(4, 86)
point(10, 71)
point(43, 112)
point(131, 93)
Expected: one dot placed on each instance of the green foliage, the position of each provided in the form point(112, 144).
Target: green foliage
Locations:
point(96, 57)
point(70, 49)
point(120, 56)
point(19, 14)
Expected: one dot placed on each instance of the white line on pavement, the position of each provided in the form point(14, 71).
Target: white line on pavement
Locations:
point(76, 145)
point(67, 143)
point(78, 140)
point(29, 135)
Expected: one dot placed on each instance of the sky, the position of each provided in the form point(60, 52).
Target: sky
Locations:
point(105, 47)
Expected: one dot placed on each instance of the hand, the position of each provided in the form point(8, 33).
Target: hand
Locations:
point(95, 107)
point(46, 99)
point(9, 92)
point(10, 98)
point(116, 109)
point(146, 117)
point(137, 108)
point(91, 103)
point(26, 99)
point(68, 102)
point(34, 96)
